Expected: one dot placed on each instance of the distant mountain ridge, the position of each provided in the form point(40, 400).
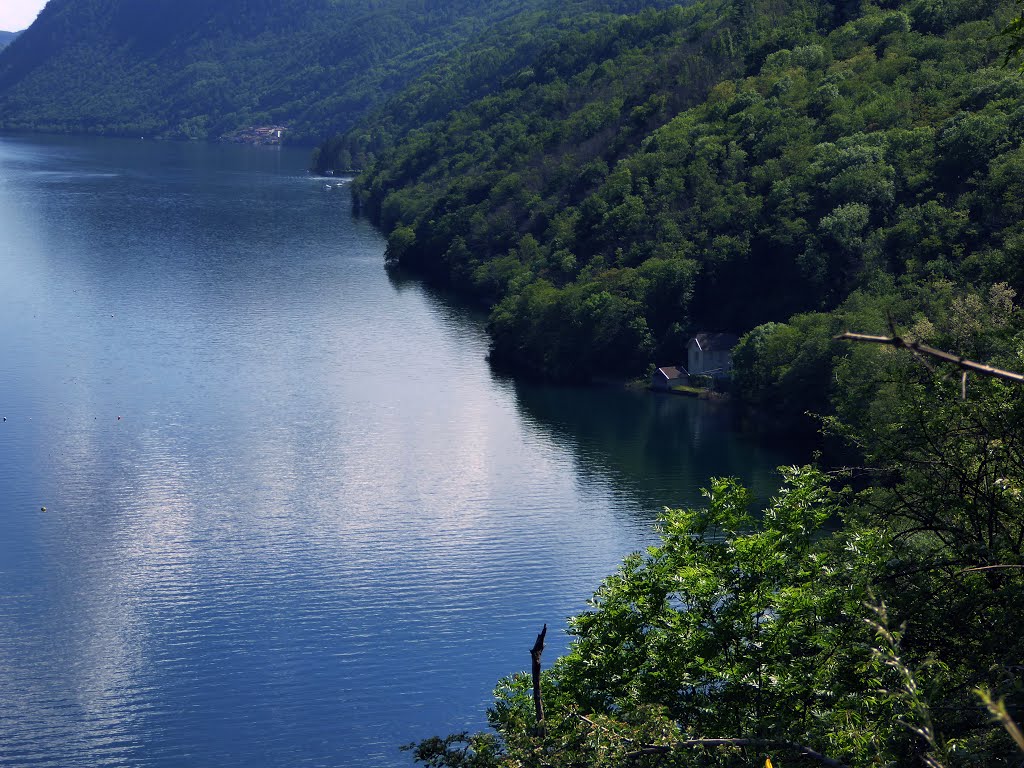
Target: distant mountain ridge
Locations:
point(6, 38)
point(197, 69)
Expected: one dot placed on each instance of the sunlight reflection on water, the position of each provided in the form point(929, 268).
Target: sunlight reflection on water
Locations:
point(292, 517)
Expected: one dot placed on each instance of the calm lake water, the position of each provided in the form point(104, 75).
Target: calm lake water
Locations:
point(291, 518)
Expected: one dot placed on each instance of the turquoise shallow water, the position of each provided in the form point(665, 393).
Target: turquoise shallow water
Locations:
point(292, 519)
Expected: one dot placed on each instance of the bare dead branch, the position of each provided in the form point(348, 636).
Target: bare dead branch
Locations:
point(918, 349)
point(535, 654)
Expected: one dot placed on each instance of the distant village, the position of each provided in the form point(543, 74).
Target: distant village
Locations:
point(259, 135)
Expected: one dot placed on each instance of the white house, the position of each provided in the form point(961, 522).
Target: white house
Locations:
point(667, 377)
point(710, 353)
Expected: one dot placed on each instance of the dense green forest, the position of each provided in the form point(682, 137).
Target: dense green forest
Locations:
point(715, 167)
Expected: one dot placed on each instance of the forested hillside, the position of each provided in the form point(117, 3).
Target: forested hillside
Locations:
point(716, 167)
point(193, 69)
point(6, 38)
point(784, 169)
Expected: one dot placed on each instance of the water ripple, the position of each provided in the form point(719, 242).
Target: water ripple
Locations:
point(291, 517)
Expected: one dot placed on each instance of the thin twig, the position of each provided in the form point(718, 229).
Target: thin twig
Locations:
point(989, 568)
point(664, 750)
point(587, 720)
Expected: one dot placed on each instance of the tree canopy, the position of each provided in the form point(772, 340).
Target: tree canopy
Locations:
point(611, 188)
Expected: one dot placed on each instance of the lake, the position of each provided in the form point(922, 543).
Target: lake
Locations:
point(291, 517)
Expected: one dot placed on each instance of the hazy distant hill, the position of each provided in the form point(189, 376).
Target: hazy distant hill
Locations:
point(195, 68)
point(6, 38)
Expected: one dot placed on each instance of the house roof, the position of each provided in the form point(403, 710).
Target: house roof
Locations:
point(671, 372)
point(715, 342)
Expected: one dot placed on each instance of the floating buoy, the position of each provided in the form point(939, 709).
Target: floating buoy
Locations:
point(42, 509)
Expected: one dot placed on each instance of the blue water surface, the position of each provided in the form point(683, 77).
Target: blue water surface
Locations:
point(291, 517)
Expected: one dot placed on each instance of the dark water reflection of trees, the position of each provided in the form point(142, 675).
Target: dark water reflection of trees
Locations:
point(662, 449)
point(654, 449)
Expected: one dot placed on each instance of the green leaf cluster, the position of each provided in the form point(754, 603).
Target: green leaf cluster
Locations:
point(855, 616)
